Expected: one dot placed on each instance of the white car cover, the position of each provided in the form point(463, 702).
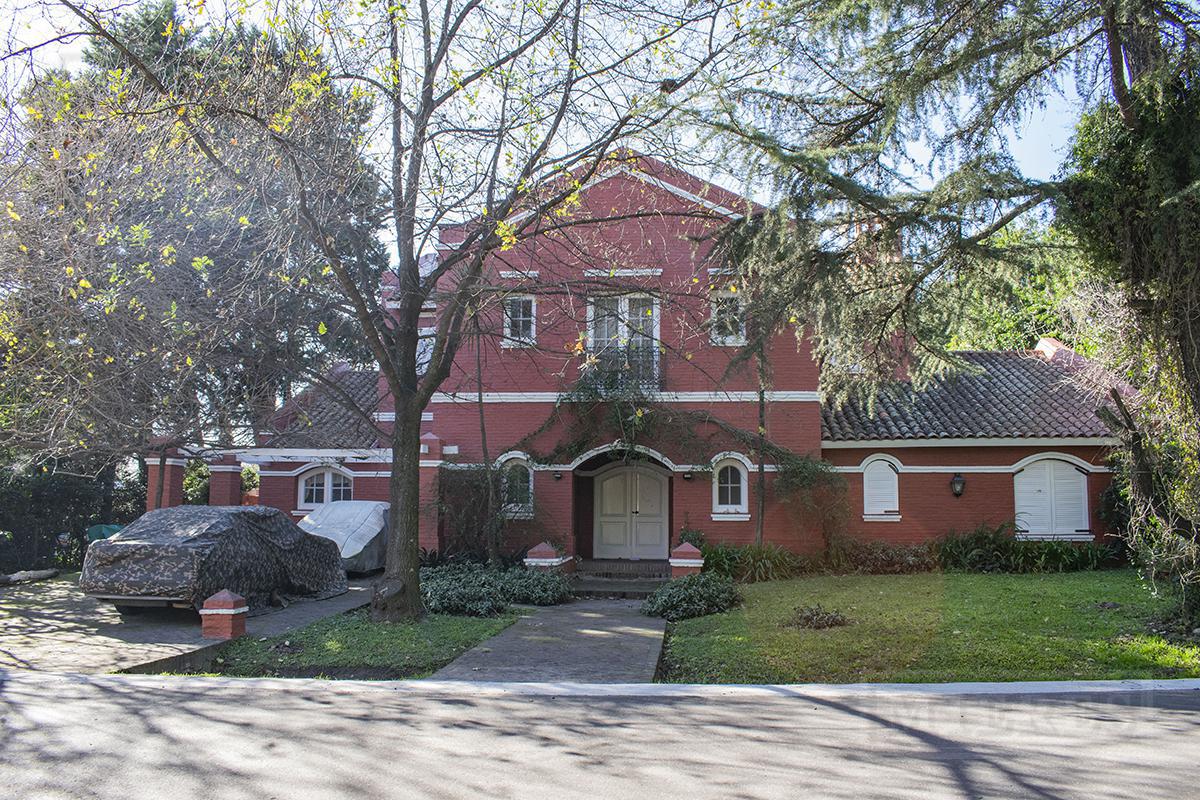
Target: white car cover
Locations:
point(359, 527)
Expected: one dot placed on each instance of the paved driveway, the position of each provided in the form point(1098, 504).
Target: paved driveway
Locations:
point(587, 641)
point(53, 626)
point(132, 737)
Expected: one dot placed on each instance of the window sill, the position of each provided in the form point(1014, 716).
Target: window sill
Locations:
point(524, 513)
point(730, 516)
point(1085, 536)
point(728, 342)
point(881, 517)
point(517, 344)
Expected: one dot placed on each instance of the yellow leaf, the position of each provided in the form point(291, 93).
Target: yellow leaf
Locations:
point(84, 283)
point(321, 329)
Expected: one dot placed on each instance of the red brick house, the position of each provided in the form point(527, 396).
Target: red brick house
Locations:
point(618, 413)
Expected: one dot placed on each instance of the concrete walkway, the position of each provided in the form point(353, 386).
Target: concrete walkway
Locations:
point(588, 641)
point(52, 626)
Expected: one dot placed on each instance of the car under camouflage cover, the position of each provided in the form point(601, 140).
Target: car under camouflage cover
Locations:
point(186, 554)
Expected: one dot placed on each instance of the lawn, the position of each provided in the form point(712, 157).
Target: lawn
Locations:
point(934, 627)
point(351, 646)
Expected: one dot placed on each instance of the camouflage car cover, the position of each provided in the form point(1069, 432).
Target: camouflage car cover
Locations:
point(193, 552)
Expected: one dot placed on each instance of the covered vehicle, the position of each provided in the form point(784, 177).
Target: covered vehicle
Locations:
point(181, 556)
point(360, 529)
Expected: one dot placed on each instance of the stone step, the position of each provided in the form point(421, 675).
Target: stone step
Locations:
point(630, 589)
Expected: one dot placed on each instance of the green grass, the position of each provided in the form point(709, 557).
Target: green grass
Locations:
point(935, 627)
point(351, 646)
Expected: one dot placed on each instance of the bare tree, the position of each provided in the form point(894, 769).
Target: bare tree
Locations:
point(487, 116)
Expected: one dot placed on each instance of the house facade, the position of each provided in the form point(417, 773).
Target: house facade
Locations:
point(607, 386)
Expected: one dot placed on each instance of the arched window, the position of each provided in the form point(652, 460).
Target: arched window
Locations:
point(516, 489)
point(730, 490)
point(1051, 501)
point(325, 486)
point(881, 491)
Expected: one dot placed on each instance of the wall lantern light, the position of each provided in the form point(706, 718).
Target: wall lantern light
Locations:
point(957, 484)
point(687, 476)
point(558, 476)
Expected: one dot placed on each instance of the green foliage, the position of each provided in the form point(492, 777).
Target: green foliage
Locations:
point(1029, 296)
point(869, 557)
point(752, 562)
point(692, 536)
point(36, 505)
point(196, 477)
point(476, 590)
point(692, 596)
point(995, 549)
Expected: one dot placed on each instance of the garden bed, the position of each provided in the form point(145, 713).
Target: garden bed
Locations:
point(934, 627)
point(350, 646)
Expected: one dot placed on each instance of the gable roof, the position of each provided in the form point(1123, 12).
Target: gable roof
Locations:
point(317, 418)
point(1015, 395)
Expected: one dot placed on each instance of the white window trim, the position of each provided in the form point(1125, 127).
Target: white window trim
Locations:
point(623, 313)
point(511, 341)
point(739, 512)
point(506, 462)
point(328, 472)
point(894, 463)
point(737, 340)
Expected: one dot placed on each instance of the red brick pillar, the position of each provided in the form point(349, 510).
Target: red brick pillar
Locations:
point(545, 557)
point(225, 482)
point(431, 465)
point(171, 478)
point(223, 616)
point(686, 559)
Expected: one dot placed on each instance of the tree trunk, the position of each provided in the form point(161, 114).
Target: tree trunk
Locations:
point(492, 526)
point(108, 486)
point(397, 595)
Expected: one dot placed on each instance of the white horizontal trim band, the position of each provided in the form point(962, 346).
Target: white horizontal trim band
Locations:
point(512, 274)
point(390, 416)
point(224, 611)
point(665, 397)
point(687, 562)
point(547, 562)
point(224, 467)
point(649, 272)
point(859, 444)
point(998, 469)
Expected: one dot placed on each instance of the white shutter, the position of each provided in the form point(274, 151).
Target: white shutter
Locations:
point(1069, 500)
point(881, 494)
point(1033, 499)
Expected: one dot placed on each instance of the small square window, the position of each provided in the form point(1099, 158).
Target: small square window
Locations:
point(520, 324)
point(728, 325)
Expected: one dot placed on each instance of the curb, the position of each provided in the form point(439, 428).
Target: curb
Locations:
point(662, 690)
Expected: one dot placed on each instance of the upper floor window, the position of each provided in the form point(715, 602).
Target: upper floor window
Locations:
point(623, 338)
point(881, 490)
point(520, 321)
point(728, 324)
point(516, 488)
point(730, 490)
point(325, 486)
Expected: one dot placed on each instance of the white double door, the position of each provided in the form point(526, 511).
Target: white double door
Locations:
point(632, 511)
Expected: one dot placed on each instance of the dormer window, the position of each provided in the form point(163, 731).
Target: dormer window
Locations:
point(728, 324)
point(520, 321)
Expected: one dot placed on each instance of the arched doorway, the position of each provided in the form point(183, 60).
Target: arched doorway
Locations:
point(632, 512)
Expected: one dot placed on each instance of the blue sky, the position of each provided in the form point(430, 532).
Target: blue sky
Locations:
point(1040, 145)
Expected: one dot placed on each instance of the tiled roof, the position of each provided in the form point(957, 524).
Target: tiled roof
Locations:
point(317, 417)
point(1016, 394)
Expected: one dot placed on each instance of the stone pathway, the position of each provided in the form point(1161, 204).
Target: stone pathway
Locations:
point(591, 641)
point(54, 627)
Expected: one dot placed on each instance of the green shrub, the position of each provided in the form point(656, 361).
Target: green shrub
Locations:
point(995, 549)
point(752, 563)
point(535, 587)
point(873, 557)
point(692, 536)
point(476, 590)
point(692, 596)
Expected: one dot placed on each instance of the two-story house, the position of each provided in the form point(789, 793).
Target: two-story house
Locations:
point(606, 378)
